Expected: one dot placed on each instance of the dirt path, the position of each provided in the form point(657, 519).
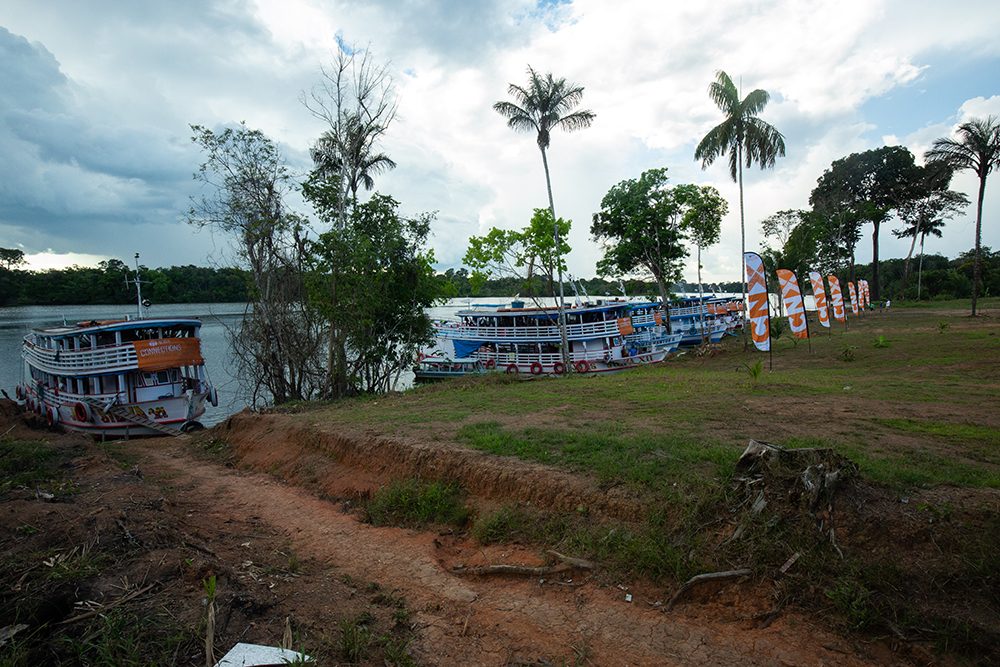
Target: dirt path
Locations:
point(476, 620)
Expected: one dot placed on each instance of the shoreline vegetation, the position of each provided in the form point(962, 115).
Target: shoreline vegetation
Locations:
point(942, 279)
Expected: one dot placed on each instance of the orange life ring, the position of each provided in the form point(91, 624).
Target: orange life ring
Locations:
point(491, 364)
point(513, 369)
point(82, 412)
point(582, 367)
point(536, 368)
point(557, 368)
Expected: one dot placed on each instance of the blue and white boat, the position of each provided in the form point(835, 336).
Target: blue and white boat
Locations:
point(603, 335)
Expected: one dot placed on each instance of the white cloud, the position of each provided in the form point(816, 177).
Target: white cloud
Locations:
point(95, 125)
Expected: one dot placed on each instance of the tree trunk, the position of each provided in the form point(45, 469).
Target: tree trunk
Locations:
point(562, 295)
point(743, 250)
point(979, 231)
point(875, 285)
point(906, 262)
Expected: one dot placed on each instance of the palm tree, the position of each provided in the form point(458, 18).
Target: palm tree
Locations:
point(354, 159)
point(544, 105)
point(977, 148)
point(744, 136)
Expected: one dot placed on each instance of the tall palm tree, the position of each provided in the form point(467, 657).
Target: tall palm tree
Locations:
point(746, 137)
point(977, 148)
point(546, 104)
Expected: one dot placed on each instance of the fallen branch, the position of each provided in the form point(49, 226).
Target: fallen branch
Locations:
point(702, 578)
point(568, 563)
point(103, 609)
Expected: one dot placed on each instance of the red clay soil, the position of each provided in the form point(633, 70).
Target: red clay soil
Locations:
point(272, 526)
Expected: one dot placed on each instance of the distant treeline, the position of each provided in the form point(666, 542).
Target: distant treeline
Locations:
point(941, 278)
point(79, 285)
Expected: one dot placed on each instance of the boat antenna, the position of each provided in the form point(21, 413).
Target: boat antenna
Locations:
point(141, 304)
point(576, 292)
point(621, 285)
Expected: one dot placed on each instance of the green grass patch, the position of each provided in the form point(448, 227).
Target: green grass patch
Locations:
point(415, 503)
point(647, 461)
point(28, 463)
point(955, 433)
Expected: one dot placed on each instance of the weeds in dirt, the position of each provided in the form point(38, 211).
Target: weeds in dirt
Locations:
point(26, 463)
point(881, 342)
point(415, 503)
point(122, 637)
point(355, 637)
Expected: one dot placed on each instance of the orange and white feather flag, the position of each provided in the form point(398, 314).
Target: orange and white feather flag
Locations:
point(837, 299)
point(759, 314)
point(819, 295)
point(792, 297)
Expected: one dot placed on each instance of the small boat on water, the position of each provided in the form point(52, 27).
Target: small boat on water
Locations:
point(118, 378)
point(604, 336)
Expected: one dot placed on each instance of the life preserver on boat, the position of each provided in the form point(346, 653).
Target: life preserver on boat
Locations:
point(19, 392)
point(536, 368)
point(582, 367)
point(27, 404)
point(557, 368)
point(491, 364)
point(51, 415)
point(39, 407)
point(213, 397)
point(82, 412)
point(513, 369)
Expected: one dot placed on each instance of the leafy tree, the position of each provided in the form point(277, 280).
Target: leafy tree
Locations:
point(868, 185)
point(12, 257)
point(544, 105)
point(248, 181)
point(929, 205)
point(977, 148)
point(385, 284)
point(520, 254)
point(639, 229)
point(745, 136)
point(702, 223)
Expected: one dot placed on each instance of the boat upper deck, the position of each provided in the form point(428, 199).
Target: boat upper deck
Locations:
point(115, 346)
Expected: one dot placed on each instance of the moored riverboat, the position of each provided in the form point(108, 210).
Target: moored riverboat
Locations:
point(604, 336)
point(118, 378)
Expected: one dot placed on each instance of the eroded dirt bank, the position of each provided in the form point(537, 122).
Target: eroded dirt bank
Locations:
point(272, 526)
point(479, 620)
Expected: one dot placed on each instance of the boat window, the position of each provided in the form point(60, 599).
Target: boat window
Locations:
point(109, 384)
point(162, 377)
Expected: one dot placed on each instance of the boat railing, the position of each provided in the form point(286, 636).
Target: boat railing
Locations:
point(524, 360)
point(110, 359)
point(585, 330)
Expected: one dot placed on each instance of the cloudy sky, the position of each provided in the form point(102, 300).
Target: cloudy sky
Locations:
point(96, 99)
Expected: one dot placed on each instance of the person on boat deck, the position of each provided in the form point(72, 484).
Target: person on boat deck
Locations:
point(632, 351)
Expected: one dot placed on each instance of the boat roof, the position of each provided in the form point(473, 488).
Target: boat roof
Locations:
point(480, 309)
point(114, 325)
